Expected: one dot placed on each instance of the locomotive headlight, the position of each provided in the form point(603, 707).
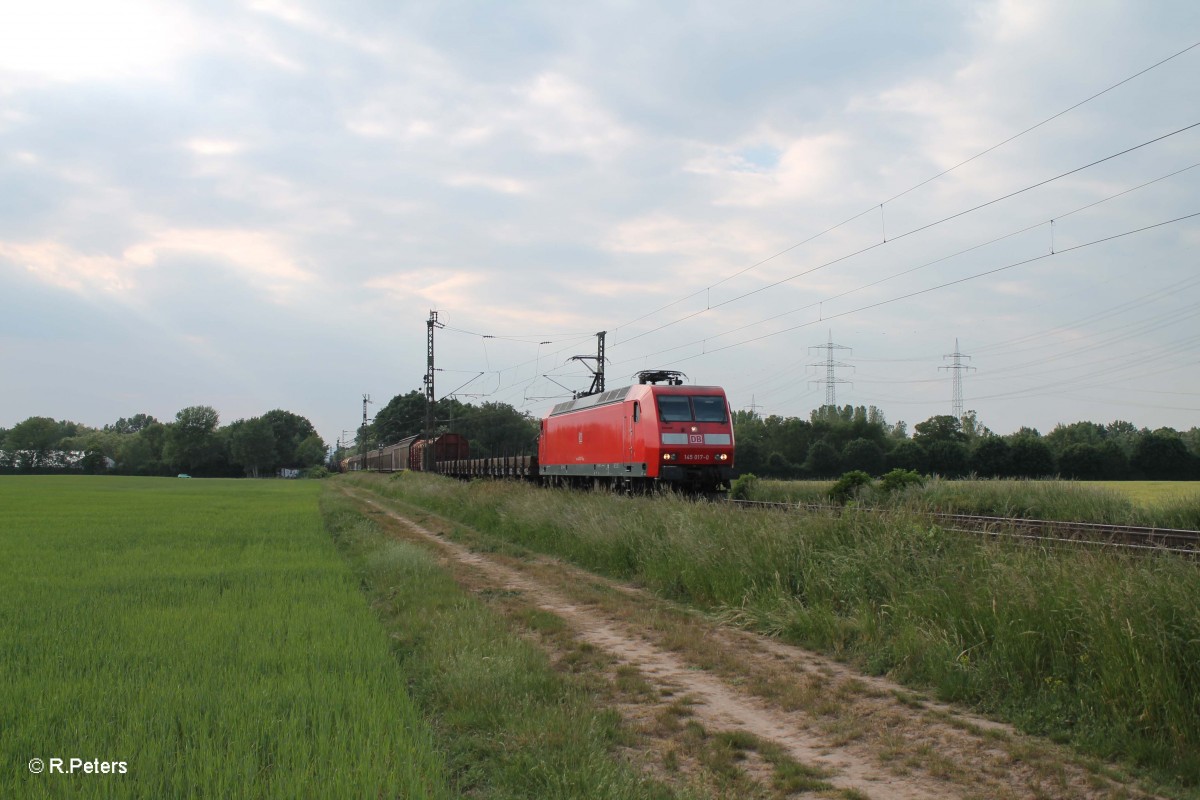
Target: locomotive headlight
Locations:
point(670, 457)
point(722, 456)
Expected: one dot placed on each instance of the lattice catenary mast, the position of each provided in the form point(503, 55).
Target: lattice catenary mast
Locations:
point(957, 368)
point(831, 380)
point(598, 371)
point(430, 397)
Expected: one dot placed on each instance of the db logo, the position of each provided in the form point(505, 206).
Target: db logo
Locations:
point(695, 438)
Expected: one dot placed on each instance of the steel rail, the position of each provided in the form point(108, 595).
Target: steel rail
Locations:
point(1132, 537)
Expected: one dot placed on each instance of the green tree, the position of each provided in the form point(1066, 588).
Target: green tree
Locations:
point(947, 457)
point(142, 453)
point(972, 428)
point(779, 467)
point(1162, 455)
point(1031, 457)
point(1124, 434)
point(908, 455)
point(863, 455)
point(1063, 436)
point(94, 461)
point(841, 425)
point(823, 461)
point(136, 423)
point(790, 436)
point(1116, 462)
point(191, 441)
point(750, 457)
point(493, 429)
point(991, 457)
point(289, 431)
point(33, 443)
point(749, 433)
point(252, 444)
point(1082, 461)
point(310, 452)
point(1191, 438)
point(942, 428)
point(403, 416)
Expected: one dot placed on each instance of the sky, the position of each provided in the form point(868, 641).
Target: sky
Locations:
point(257, 205)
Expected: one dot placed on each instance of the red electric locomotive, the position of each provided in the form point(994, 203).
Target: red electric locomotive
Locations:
point(641, 435)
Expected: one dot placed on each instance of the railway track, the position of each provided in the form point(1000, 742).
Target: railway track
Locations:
point(1043, 531)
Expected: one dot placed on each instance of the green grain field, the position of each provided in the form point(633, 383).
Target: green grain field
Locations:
point(1150, 493)
point(1165, 504)
point(206, 635)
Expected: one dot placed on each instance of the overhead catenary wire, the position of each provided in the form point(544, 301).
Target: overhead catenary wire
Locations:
point(934, 288)
point(911, 270)
point(941, 174)
point(908, 233)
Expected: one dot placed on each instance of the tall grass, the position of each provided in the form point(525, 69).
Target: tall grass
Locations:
point(1099, 649)
point(208, 634)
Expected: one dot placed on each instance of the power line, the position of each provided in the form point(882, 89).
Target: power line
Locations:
point(916, 230)
point(912, 188)
point(1043, 122)
point(924, 265)
point(944, 285)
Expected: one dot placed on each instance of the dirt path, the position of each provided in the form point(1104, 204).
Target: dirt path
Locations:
point(690, 686)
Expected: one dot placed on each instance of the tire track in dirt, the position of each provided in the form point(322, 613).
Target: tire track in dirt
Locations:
point(992, 770)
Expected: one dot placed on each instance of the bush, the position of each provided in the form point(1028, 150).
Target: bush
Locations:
point(743, 487)
point(848, 486)
point(317, 472)
point(898, 480)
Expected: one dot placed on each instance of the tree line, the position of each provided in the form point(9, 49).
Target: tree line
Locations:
point(834, 440)
point(194, 443)
point(837, 439)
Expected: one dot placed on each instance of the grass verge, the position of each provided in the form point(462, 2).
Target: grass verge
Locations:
point(509, 724)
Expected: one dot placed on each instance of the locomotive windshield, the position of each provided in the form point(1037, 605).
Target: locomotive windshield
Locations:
point(709, 409)
point(674, 408)
point(680, 408)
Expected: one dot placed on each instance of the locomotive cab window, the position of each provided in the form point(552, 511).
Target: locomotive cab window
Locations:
point(680, 408)
point(709, 409)
point(674, 408)
point(637, 411)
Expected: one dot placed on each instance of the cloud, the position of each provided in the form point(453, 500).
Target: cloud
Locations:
point(434, 287)
point(494, 183)
point(58, 265)
point(562, 116)
point(260, 258)
point(257, 258)
point(83, 41)
point(771, 168)
point(325, 27)
point(214, 147)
